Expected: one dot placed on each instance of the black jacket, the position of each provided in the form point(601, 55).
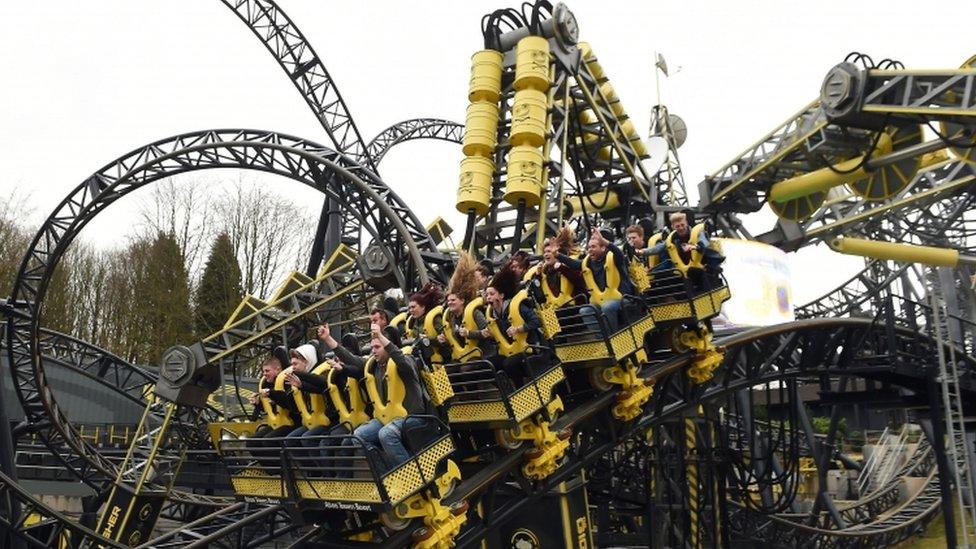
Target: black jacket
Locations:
point(415, 401)
point(599, 269)
point(533, 324)
point(284, 399)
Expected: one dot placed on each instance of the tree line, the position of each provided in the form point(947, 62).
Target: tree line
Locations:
point(192, 256)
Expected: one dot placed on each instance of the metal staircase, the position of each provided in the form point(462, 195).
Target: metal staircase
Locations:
point(890, 460)
point(884, 461)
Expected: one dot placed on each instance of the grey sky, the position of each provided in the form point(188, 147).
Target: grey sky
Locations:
point(85, 82)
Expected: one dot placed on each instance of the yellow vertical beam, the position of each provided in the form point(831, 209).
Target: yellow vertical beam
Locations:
point(691, 468)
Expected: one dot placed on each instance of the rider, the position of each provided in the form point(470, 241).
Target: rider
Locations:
point(270, 368)
point(419, 304)
point(423, 309)
point(465, 326)
point(560, 283)
point(387, 355)
point(638, 261)
point(316, 383)
point(516, 325)
point(604, 269)
point(278, 406)
point(303, 359)
point(683, 242)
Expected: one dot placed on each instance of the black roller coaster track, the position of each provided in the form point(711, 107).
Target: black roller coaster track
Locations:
point(357, 190)
point(42, 527)
point(869, 509)
point(305, 69)
point(809, 349)
point(899, 524)
point(624, 483)
point(415, 128)
point(804, 349)
point(296, 57)
point(119, 377)
point(53, 527)
point(93, 362)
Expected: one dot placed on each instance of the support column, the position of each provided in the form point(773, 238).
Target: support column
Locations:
point(941, 458)
point(693, 483)
point(328, 234)
point(8, 467)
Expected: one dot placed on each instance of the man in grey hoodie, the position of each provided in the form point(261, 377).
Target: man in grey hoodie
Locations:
point(373, 434)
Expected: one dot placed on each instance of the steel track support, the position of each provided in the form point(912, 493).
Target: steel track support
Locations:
point(934, 390)
point(823, 500)
point(694, 482)
point(327, 235)
point(8, 506)
point(757, 446)
point(666, 503)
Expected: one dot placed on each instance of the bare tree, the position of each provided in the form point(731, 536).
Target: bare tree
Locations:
point(109, 296)
point(14, 237)
point(271, 234)
point(268, 232)
point(180, 208)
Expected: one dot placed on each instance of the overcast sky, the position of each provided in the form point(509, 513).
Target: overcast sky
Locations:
point(85, 82)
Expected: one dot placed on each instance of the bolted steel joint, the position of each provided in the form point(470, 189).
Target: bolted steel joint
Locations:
point(840, 93)
point(177, 365)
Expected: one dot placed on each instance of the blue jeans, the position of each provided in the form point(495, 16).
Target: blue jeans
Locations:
point(307, 442)
point(389, 438)
point(610, 309)
point(294, 440)
point(296, 434)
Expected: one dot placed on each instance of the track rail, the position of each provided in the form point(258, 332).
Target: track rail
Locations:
point(374, 206)
point(801, 349)
point(415, 128)
point(753, 357)
point(294, 54)
point(38, 525)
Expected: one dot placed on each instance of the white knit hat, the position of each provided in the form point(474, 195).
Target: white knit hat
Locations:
point(307, 353)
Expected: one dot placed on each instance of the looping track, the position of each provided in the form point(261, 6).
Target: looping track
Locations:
point(816, 351)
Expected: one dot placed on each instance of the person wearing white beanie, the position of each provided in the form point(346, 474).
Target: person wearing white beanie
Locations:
point(306, 357)
point(303, 359)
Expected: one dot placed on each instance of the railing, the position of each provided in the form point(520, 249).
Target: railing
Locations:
point(338, 467)
point(889, 463)
point(864, 477)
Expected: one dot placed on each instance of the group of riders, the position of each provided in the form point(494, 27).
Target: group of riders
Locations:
point(482, 315)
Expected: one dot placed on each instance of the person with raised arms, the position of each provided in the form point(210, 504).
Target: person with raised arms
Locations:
point(394, 387)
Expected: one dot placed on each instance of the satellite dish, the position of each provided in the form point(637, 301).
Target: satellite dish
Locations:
point(679, 130)
point(657, 150)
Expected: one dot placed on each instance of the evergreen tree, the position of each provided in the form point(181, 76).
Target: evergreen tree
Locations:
point(162, 300)
point(220, 287)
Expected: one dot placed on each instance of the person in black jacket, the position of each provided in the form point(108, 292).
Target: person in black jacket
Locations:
point(303, 359)
point(373, 433)
point(598, 249)
point(504, 285)
point(318, 384)
point(270, 368)
point(551, 272)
